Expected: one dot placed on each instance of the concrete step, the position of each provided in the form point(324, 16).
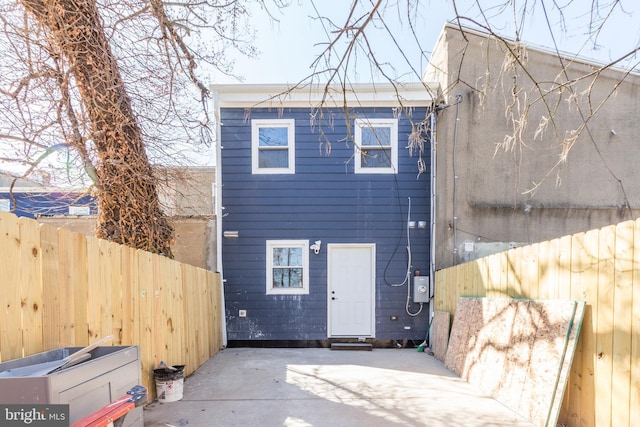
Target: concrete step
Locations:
point(361, 346)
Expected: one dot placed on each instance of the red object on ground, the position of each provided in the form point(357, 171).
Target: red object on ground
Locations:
point(116, 410)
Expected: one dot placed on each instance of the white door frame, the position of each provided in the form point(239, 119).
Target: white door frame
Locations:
point(372, 290)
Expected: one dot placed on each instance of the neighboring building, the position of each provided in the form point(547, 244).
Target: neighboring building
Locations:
point(482, 202)
point(32, 198)
point(325, 217)
point(187, 197)
point(37, 202)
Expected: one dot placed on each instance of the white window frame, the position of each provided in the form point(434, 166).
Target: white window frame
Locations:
point(373, 123)
point(256, 125)
point(5, 205)
point(304, 245)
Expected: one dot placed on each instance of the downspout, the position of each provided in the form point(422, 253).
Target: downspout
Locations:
point(218, 211)
point(432, 263)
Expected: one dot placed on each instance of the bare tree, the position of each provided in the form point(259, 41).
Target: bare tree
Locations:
point(126, 188)
point(110, 88)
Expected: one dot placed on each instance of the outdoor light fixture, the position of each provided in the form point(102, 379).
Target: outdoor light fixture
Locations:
point(231, 234)
point(316, 247)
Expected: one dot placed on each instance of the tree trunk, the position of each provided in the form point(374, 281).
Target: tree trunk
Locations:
point(129, 209)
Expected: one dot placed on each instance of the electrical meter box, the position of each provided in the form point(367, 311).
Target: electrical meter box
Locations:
point(421, 291)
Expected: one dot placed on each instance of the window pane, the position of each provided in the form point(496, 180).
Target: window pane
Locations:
point(273, 158)
point(375, 158)
point(287, 277)
point(273, 137)
point(376, 136)
point(287, 257)
point(287, 267)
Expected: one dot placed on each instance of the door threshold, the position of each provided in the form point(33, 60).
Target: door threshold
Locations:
point(361, 346)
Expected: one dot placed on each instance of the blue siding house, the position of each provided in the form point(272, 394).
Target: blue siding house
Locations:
point(33, 202)
point(326, 213)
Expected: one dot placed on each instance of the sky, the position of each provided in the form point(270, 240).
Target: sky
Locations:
point(289, 46)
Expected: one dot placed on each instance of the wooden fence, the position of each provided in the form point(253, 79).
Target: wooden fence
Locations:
point(601, 267)
point(61, 289)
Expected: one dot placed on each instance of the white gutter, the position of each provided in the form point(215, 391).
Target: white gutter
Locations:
point(315, 95)
point(218, 211)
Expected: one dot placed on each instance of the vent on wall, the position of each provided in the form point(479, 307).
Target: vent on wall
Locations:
point(5, 205)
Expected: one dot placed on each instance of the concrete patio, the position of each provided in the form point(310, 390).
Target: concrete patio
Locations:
point(321, 387)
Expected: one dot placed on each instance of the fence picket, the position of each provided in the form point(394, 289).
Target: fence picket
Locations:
point(622, 303)
point(547, 268)
point(31, 286)
point(582, 371)
point(11, 345)
point(145, 289)
point(128, 294)
point(51, 286)
point(113, 264)
point(160, 337)
point(564, 275)
point(176, 319)
point(77, 267)
point(514, 289)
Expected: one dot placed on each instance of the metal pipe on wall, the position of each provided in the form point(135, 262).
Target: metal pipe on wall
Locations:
point(454, 222)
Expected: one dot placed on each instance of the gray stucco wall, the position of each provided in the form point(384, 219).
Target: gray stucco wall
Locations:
point(484, 188)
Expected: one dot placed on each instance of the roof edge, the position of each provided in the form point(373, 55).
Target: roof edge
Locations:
point(316, 95)
point(573, 57)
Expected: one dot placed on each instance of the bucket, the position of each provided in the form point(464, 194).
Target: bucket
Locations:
point(169, 383)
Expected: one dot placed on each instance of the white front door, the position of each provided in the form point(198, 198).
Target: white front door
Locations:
point(351, 290)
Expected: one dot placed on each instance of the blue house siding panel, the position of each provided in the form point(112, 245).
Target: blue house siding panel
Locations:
point(39, 203)
point(324, 200)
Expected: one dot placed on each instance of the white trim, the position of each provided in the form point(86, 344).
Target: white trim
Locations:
point(256, 125)
point(415, 94)
point(393, 136)
point(304, 246)
point(218, 203)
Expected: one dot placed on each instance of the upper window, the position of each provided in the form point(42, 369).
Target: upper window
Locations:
point(273, 146)
point(376, 146)
point(287, 267)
